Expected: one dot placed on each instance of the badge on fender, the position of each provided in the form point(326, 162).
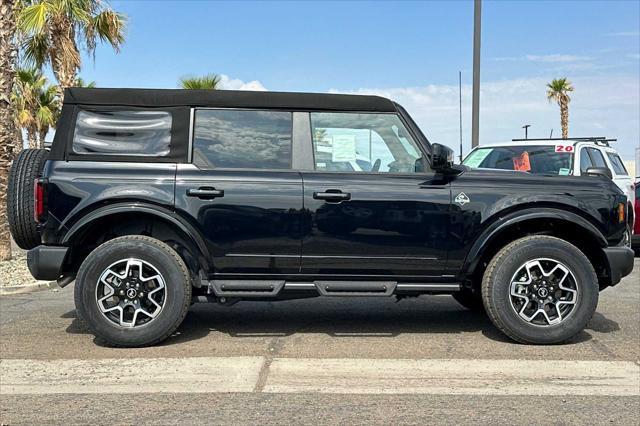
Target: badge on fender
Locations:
point(462, 199)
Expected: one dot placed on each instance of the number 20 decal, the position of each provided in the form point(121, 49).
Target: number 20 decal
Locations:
point(564, 148)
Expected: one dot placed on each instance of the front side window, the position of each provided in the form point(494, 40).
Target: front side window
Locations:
point(368, 143)
point(585, 160)
point(242, 139)
point(537, 159)
point(597, 158)
point(618, 165)
point(123, 132)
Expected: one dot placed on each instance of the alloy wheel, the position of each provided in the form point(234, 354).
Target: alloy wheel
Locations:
point(543, 292)
point(131, 293)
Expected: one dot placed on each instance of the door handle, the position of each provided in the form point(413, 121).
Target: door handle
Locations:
point(205, 193)
point(332, 195)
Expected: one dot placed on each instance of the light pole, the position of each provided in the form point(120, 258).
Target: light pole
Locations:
point(526, 130)
point(475, 115)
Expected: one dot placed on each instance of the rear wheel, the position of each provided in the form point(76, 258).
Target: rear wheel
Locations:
point(540, 290)
point(133, 291)
point(26, 168)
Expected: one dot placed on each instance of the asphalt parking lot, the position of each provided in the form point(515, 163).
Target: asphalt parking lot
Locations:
point(319, 361)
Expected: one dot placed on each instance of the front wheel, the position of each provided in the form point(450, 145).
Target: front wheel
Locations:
point(540, 290)
point(133, 291)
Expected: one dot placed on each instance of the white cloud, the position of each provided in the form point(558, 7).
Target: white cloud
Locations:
point(553, 58)
point(601, 106)
point(633, 56)
point(624, 34)
point(556, 58)
point(229, 83)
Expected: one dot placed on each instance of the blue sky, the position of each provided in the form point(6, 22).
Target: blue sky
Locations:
point(410, 51)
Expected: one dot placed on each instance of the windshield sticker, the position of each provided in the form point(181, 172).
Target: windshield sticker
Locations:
point(564, 172)
point(564, 148)
point(344, 148)
point(521, 163)
point(477, 157)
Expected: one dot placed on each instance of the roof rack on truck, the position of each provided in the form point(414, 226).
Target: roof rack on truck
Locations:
point(600, 140)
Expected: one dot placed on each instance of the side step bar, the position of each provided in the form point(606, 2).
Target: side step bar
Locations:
point(246, 288)
point(272, 288)
point(355, 288)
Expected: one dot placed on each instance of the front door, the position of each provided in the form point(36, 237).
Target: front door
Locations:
point(241, 193)
point(372, 210)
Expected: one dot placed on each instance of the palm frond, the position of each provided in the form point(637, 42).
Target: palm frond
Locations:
point(208, 82)
point(32, 19)
point(108, 26)
point(88, 84)
point(35, 49)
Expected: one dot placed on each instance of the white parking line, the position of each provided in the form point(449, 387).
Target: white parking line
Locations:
point(457, 376)
point(340, 376)
point(132, 375)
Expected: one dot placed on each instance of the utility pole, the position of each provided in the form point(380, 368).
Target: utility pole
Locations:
point(460, 95)
point(526, 130)
point(475, 115)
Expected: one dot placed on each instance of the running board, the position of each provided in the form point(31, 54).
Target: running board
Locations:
point(246, 288)
point(273, 288)
point(355, 288)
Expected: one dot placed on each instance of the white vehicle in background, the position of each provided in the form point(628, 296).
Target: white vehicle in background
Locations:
point(570, 157)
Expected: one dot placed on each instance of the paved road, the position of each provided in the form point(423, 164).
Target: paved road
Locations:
point(321, 361)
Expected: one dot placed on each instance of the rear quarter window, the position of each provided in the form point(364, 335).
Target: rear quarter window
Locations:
point(618, 165)
point(123, 133)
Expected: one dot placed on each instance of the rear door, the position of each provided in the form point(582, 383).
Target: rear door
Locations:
point(371, 207)
point(240, 190)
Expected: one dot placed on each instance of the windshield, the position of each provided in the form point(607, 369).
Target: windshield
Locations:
point(538, 159)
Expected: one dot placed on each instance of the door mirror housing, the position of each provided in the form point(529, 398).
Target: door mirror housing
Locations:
point(441, 158)
point(599, 171)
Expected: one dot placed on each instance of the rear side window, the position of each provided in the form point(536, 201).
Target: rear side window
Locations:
point(618, 165)
point(237, 139)
point(122, 132)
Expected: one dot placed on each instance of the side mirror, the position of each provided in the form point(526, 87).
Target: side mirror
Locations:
point(599, 171)
point(441, 158)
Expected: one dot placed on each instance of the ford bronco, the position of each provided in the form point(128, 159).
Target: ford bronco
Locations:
point(151, 200)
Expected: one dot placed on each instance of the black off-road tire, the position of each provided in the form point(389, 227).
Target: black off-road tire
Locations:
point(26, 168)
point(469, 300)
point(165, 260)
point(496, 289)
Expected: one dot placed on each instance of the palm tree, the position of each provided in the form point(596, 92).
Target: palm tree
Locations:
point(37, 105)
point(209, 81)
point(52, 30)
point(8, 131)
point(558, 90)
point(81, 83)
point(48, 111)
point(26, 92)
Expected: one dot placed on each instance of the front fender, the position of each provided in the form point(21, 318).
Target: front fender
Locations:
point(500, 224)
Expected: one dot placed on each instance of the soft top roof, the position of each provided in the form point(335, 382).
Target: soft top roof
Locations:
point(226, 99)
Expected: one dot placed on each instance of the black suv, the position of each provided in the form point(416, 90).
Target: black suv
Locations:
point(153, 199)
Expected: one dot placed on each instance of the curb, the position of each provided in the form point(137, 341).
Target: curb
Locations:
point(28, 288)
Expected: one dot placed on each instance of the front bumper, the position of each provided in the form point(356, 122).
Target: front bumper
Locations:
point(620, 261)
point(45, 262)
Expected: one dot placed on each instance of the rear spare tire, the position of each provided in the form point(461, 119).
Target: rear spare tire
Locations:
point(26, 168)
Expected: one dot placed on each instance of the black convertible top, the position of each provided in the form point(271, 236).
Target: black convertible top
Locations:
point(226, 99)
